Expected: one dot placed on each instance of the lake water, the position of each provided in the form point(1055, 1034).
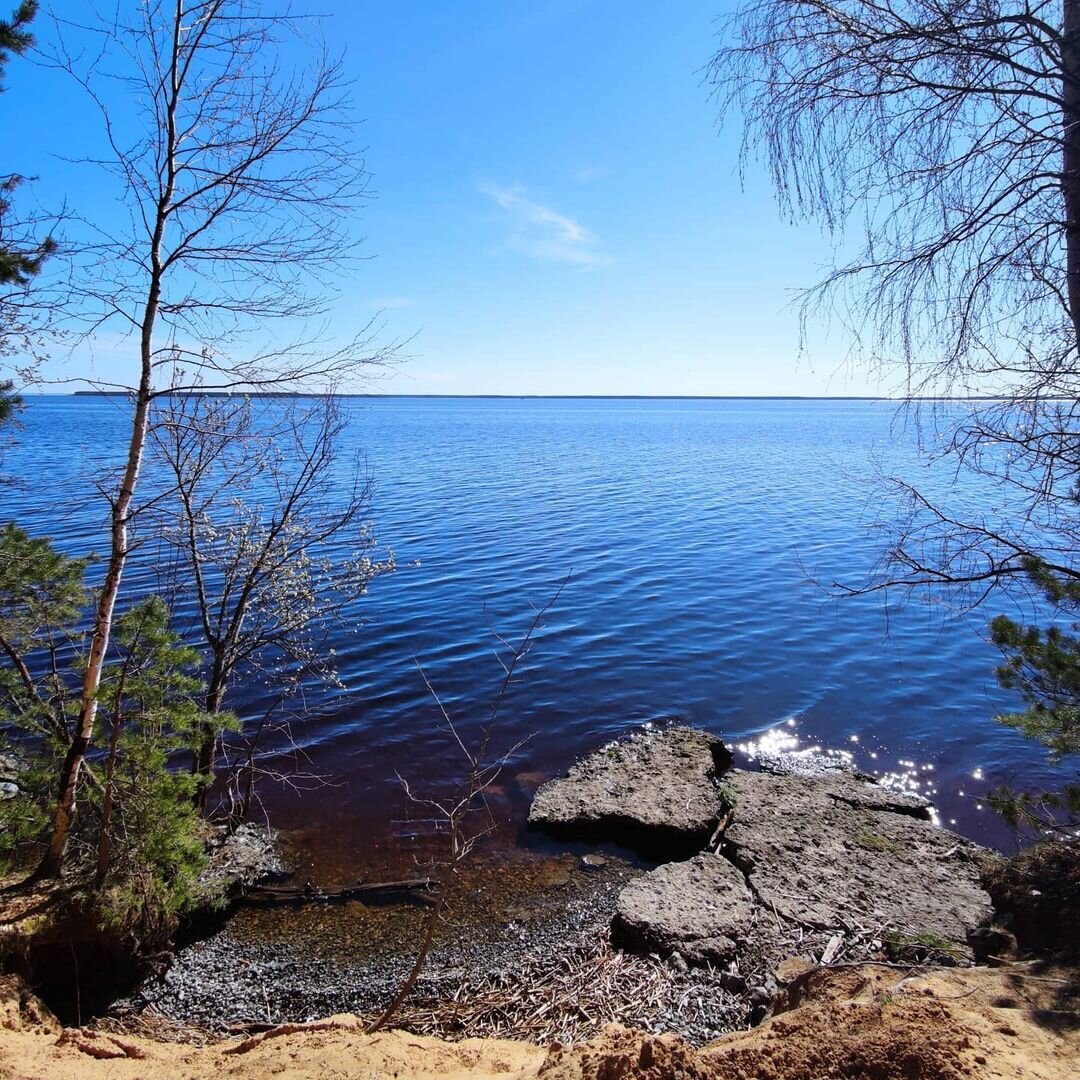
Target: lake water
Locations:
point(690, 535)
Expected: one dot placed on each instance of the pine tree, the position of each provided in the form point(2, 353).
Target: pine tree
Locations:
point(139, 845)
point(9, 402)
point(17, 266)
point(14, 37)
point(1043, 665)
point(42, 599)
point(149, 847)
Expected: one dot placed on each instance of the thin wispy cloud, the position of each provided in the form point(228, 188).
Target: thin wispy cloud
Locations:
point(543, 233)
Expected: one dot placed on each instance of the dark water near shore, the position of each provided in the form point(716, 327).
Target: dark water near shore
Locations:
point(691, 531)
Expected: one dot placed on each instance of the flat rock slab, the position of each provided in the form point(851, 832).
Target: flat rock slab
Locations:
point(701, 909)
point(655, 790)
point(830, 851)
point(837, 853)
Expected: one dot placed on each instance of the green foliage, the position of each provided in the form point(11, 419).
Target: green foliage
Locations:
point(41, 599)
point(41, 591)
point(14, 36)
point(873, 841)
point(150, 853)
point(138, 834)
point(728, 795)
point(9, 401)
point(24, 803)
point(1043, 666)
point(920, 948)
point(1040, 809)
point(17, 267)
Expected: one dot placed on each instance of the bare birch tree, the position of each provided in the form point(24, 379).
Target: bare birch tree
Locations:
point(239, 182)
point(945, 133)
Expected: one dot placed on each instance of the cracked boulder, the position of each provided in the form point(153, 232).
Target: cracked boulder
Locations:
point(701, 909)
point(837, 853)
point(655, 791)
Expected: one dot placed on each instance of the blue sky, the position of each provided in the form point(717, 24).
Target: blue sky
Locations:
point(554, 208)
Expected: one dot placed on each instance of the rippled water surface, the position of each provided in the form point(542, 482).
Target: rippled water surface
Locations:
point(691, 532)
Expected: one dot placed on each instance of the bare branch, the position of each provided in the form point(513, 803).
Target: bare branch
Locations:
point(942, 136)
point(240, 183)
point(458, 810)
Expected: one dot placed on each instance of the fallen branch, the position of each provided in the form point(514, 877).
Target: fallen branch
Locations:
point(309, 893)
point(471, 796)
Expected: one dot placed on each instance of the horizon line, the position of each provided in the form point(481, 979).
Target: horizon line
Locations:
point(542, 397)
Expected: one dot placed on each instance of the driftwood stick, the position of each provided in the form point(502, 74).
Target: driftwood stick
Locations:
point(718, 834)
point(311, 893)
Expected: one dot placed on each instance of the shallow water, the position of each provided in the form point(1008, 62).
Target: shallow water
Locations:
point(689, 534)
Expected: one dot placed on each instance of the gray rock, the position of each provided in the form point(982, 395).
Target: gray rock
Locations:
point(11, 769)
point(656, 789)
point(832, 851)
point(238, 860)
point(848, 783)
point(837, 853)
point(809, 762)
point(700, 908)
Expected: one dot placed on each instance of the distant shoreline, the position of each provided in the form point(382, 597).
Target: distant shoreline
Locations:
point(555, 397)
